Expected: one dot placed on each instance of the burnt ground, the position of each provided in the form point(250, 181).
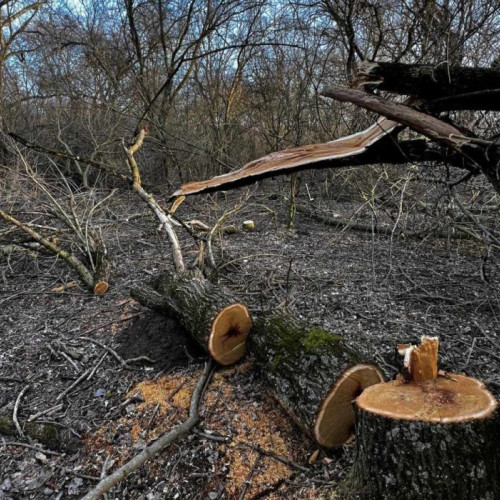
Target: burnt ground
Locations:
point(376, 290)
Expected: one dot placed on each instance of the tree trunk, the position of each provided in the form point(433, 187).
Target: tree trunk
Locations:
point(431, 82)
point(314, 376)
point(211, 314)
point(423, 440)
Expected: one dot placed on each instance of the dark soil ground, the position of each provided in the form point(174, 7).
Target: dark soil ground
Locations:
point(377, 290)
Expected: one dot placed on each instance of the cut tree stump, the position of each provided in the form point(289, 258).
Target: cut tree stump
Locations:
point(314, 376)
point(210, 313)
point(432, 437)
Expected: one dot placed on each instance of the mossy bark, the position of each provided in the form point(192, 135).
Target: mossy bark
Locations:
point(51, 436)
point(418, 460)
point(301, 363)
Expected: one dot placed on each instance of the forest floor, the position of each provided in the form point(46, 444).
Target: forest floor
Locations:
point(377, 290)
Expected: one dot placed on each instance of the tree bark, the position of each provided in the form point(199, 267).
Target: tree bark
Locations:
point(429, 81)
point(211, 314)
point(307, 369)
point(439, 451)
point(102, 272)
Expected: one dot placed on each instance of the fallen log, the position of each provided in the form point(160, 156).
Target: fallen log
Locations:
point(48, 434)
point(210, 313)
point(431, 437)
point(313, 374)
point(102, 272)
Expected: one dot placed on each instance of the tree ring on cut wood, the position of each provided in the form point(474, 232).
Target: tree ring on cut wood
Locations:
point(335, 418)
point(209, 313)
point(448, 399)
point(313, 374)
point(230, 329)
point(426, 439)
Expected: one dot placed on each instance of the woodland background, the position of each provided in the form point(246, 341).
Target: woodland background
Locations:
point(390, 252)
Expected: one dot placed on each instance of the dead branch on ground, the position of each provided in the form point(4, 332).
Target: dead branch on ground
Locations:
point(152, 450)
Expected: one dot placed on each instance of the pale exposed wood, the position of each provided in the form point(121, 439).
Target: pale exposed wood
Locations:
point(335, 418)
point(209, 313)
point(447, 399)
point(422, 361)
point(426, 437)
point(290, 159)
point(313, 374)
point(164, 218)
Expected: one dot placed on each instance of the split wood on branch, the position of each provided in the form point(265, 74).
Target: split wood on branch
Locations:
point(291, 160)
point(432, 82)
point(352, 151)
point(153, 449)
point(211, 314)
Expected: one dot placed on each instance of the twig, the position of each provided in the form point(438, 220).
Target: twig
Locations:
point(155, 411)
point(48, 411)
point(31, 447)
point(80, 379)
point(97, 365)
point(71, 362)
point(277, 457)
point(105, 467)
point(16, 409)
point(150, 451)
point(470, 351)
point(248, 479)
point(212, 437)
point(123, 362)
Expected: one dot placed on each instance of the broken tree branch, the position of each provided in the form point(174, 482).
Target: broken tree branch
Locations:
point(162, 216)
point(430, 126)
point(73, 261)
point(428, 81)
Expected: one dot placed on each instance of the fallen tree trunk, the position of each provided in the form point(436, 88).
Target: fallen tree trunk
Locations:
point(50, 435)
point(313, 374)
point(430, 437)
point(211, 314)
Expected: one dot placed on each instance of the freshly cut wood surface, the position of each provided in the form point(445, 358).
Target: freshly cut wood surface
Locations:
point(210, 313)
point(448, 399)
point(426, 437)
point(290, 159)
point(335, 418)
point(313, 374)
point(230, 329)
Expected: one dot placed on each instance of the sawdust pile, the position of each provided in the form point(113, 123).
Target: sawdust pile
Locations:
point(228, 411)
